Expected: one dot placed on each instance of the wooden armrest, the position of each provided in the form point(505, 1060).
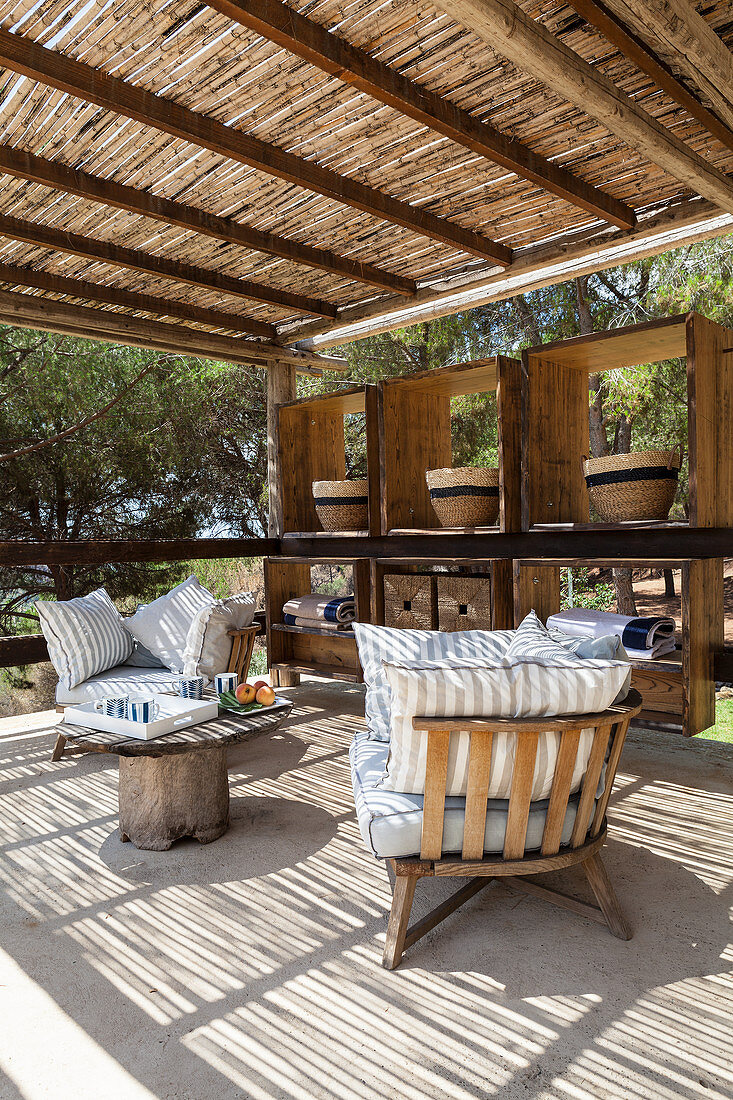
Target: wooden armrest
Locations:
point(628, 709)
point(241, 631)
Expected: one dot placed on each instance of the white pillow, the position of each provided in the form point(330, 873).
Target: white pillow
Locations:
point(386, 643)
point(208, 645)
point(84, 635)
point(163, 625)
point(510, 689)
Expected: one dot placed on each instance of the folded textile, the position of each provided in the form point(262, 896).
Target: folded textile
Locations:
point(332, 609)
point(315, 624)
point(635, 632)
point(659, 649)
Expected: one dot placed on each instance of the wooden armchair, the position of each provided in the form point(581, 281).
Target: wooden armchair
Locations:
point(243, 641)
point(515, 864)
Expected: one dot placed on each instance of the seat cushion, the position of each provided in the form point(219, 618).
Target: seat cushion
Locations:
point(121, 680)
point(390, 822)
point(384, 643)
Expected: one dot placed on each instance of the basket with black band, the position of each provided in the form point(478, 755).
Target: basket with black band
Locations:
point(634, 486)
point(342, 505)
point(465, 497)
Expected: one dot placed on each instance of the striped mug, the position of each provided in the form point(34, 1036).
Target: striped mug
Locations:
point(191, 687)
point(225, 681)
point(114, 706)
point(143, 709)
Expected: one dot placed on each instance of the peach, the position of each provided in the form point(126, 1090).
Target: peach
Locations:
point(260, 684)
point(265, 696)
point(245, 693)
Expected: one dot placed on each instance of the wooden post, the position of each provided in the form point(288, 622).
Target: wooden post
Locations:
point(280, 388)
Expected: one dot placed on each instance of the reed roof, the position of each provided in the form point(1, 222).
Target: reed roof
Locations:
point(190, 54)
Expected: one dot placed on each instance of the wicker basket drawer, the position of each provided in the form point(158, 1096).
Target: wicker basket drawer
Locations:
point(409, 601)
point(464, 603)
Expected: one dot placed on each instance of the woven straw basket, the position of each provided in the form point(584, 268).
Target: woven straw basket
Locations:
point(464, 603)
point(634, 486)
point(342, 505)
point(465, 497)
point(409, 602)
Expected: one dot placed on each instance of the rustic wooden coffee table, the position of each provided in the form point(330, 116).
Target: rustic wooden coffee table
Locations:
point(176, 785)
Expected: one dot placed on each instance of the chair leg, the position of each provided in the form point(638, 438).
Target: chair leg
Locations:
point(605, 895)
point(404, 892)
point(58, 749)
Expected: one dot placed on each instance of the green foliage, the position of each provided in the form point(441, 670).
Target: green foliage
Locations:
point(587, 592)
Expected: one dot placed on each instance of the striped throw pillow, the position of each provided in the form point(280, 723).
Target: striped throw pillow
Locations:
point(85, 636)
point(512, 689)
point(377, 644)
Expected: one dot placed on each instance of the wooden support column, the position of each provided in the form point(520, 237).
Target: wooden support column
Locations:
point(280, 388)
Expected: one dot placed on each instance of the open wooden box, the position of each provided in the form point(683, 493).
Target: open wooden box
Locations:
point(415, 436)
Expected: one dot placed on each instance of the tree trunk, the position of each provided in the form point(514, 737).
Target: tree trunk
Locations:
point(625, 599)
point(668, 583)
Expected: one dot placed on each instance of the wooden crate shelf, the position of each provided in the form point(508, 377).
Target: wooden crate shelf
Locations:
point(415, 436)
point(311, 447)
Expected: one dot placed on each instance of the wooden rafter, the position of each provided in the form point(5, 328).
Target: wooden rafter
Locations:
point(532, 48)
point(24, 56)
point(23, 165)
point(312, 42)
point(119, 256)
point(32, 311)
point(147, 303)
point(632, 47)
point(681, 34)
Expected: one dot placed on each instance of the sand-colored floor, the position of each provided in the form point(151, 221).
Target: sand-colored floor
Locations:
point(251, 967)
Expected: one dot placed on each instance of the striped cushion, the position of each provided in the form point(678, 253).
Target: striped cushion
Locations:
point(531, 641)
point(511, 689)
point(377, 644)
point(85, 636)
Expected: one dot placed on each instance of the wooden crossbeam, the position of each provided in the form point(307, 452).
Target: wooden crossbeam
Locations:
point(313, 43)
point(688, 42)
point(108, 253)
point(533, 49)
point(147, 303)
point(93, 86)
point(49, 173)
point(32, 311)
point(642, 56)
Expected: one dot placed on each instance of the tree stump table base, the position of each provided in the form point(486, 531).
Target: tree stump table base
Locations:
point(166, 798)
point(176, 785)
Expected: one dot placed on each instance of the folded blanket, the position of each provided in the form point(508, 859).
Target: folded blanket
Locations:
point(315, 624)
point(635, 632)
point(659, 649)
point(332, 609)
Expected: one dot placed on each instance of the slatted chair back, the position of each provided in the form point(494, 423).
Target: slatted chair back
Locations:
point(243, 641)
point(609, 732)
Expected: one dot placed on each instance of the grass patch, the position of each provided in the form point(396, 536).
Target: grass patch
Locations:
point(723, 728)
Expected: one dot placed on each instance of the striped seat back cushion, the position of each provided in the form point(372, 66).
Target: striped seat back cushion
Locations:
point(377, 644)
point(510, 689)
point(85, 636)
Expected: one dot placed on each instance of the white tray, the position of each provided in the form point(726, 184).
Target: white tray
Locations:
point(175, 714)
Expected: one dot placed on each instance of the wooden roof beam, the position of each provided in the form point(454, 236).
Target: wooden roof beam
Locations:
point(107, 253)
point(32, 311)
point(146, 303)
point(533, 49)
point(612, 29)
point(313, 43)
point(24, 56)
point(688, 42)
point(49, 173)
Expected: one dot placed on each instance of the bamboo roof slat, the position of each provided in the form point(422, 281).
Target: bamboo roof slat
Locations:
point(199, 59)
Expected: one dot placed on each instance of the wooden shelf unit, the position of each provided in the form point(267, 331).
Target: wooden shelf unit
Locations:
point(555, 402)
point(293, 650)
point(415, 436)
point(311, 447)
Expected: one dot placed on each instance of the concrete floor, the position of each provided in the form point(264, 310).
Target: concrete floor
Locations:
point(251, 967)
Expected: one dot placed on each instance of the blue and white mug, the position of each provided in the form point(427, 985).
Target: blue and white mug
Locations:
point(191, 687)
point(225, 681)
point(114, 706)
point(143, 709)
